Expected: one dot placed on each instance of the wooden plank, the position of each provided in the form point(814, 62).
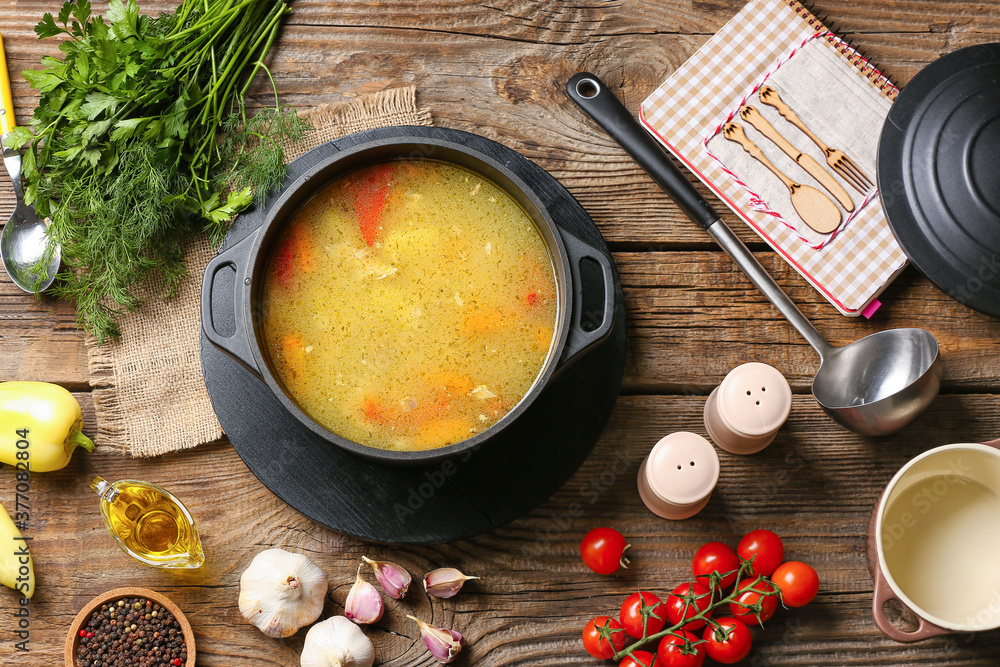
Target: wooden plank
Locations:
point(693, 316)
point(484, 72)
point(682, 309)
point(535, 593)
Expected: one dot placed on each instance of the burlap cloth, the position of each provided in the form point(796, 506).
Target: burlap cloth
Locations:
point(148, 387)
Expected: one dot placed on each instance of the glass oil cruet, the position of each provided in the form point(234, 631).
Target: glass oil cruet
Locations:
point(149, 523)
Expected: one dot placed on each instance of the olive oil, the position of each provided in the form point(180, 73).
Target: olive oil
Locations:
point(149, 523)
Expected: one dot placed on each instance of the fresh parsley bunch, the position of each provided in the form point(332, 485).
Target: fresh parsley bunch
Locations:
point(140, 126)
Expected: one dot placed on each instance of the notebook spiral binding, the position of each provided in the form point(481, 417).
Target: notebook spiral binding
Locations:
point(868, 68)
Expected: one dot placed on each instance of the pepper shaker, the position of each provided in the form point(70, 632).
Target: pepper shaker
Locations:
point(743, 414)
point(678, 476)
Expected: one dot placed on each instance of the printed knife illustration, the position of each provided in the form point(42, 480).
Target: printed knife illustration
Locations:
point(815, 208)
point(752, 116)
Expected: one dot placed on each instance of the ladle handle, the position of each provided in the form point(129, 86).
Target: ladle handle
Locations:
point(593, 96)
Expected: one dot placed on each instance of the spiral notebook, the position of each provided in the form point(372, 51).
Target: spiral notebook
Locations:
point(836, 94)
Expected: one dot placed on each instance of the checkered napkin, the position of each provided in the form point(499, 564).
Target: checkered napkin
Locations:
point(835, 93)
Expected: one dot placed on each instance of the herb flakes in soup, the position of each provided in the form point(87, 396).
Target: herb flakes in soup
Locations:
point(409, 305)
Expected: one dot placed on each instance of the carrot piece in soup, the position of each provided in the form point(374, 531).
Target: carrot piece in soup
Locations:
point(486, 320)
point(370, 191)
point(441, 432)
point(375, 412)
point(294, 354)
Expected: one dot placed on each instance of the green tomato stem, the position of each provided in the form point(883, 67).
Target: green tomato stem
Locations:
point(702, 615)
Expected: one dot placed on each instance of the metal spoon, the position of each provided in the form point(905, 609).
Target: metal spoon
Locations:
point(873, 386)
point(24, 243)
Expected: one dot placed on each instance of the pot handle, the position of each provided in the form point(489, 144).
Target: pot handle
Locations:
point(580, 338)
point(237, 343)
point(883, 593)
point(993, 443)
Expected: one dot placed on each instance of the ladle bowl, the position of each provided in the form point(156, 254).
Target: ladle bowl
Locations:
point(874, 386)
point(878, 384)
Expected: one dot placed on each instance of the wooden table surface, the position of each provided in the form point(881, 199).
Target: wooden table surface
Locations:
point(499, 69)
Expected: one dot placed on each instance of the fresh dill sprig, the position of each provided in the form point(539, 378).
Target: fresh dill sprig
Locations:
point(124, 152)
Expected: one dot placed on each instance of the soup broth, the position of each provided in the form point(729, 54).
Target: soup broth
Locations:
point(409, 305)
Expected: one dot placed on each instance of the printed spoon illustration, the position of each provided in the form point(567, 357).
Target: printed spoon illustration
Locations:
point(811, 166)
point(815, 208)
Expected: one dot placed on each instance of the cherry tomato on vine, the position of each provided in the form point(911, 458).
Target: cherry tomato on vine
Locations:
point(668, 653)
point(715, 557)
point(632, 618)
point(603, 550)
point(679, 608)
point(639, 659)
point(596, 644)
point(730, 644)
point(766, 550)
point(798, 582)
point(742, 607)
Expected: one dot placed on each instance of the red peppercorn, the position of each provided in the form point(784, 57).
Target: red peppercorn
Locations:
point(177, 661)
point(83, 633)
point(89, 635)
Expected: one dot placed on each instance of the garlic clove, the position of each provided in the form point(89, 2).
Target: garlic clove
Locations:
point(394, 579)
point(281, 591)
point(445, 582)
point(336, 642)
point(444, 644)
point(364, 602)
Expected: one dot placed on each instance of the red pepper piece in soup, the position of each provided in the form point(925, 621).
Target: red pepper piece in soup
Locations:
point(295, 254)
point(370, 189)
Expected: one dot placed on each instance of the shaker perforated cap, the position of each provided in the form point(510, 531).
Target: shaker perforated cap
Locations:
point(743, 414)
point(676, 480)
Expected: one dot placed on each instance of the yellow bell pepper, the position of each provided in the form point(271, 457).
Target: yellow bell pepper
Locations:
point(16, 569)
point(39, 426)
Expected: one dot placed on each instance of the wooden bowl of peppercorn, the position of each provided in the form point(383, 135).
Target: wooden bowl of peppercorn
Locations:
point(130, 627)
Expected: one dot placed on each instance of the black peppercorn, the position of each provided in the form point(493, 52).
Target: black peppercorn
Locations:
point(101, 644)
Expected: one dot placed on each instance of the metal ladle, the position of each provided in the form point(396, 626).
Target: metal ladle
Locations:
point(875, 385)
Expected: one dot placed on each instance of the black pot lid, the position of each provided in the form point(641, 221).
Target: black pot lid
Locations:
point(939, 174)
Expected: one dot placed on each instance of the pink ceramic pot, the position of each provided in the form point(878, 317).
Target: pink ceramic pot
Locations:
point(933, 541)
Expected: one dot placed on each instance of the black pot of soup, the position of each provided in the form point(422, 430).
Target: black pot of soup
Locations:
point(409, 296)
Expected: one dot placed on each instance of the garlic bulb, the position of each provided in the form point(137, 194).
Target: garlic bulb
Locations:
point(280, 592)
point(336, 642)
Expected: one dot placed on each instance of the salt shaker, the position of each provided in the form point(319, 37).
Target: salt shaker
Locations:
point(743, 414)
point(678, 476)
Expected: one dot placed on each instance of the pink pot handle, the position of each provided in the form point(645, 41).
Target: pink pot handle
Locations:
point(993, 443)
point(883, 593)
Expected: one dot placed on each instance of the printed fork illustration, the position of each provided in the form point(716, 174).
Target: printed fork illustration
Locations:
point(835, 157)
